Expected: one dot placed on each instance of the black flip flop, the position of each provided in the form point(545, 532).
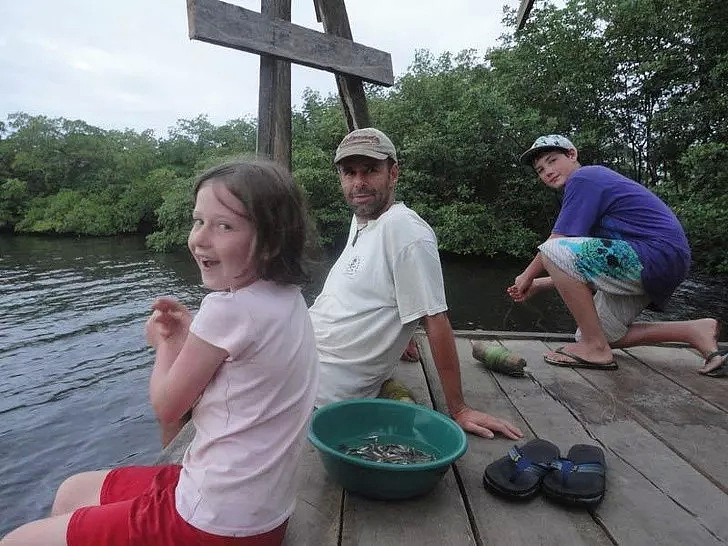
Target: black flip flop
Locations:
point(722, 370)
point(579, 479)
point(578, 362)
point(518, 475)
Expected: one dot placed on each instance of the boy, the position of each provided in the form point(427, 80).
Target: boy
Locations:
point(617, 239)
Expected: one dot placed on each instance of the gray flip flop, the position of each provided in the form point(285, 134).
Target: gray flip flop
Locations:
point(579, 362)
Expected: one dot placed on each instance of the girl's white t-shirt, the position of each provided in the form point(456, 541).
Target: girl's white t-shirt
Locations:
point(239, 472)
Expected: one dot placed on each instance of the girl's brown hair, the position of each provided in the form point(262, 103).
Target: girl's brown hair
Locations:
point(278, 211)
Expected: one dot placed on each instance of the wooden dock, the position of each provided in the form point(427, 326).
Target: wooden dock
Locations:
point(663, 428)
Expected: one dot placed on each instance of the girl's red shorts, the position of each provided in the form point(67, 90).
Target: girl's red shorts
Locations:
point(137, 509)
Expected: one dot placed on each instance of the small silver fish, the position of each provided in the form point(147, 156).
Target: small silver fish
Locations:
point(387, 453)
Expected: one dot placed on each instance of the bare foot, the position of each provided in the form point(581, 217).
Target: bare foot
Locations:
point(411, 353)
point(706, 332)
point(585, 352)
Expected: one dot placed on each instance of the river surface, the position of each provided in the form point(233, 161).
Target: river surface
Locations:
point(74, 366)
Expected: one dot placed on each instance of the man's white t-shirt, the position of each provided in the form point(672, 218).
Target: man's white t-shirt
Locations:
point(238, 475)
point(387, 277)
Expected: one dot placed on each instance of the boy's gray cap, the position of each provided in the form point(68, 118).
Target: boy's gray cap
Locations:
point(544, 144)
point(369, 142)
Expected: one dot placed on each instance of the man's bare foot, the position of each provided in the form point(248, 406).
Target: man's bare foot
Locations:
point(411, 353)
point(590, 354)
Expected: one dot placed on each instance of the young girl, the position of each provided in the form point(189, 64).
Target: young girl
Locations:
point(249, 356)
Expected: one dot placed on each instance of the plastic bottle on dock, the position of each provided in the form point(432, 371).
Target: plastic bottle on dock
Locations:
point(498, 359)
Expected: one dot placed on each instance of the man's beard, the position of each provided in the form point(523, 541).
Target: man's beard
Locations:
point(369, 211)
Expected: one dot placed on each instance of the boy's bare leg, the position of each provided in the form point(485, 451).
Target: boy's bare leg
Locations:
point(578, 297)
point(701, 335)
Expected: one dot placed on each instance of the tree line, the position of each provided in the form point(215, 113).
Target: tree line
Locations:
point(639, 86)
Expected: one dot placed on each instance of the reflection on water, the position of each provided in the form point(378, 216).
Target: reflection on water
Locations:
point(74, 366)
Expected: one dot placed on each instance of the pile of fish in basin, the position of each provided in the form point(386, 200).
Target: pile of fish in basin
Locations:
point(385, 449)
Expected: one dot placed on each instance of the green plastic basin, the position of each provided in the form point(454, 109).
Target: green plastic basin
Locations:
point(341, 425)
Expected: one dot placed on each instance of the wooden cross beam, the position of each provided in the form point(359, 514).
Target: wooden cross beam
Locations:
point(351, 91)
point(279, 42)
point(524, 11)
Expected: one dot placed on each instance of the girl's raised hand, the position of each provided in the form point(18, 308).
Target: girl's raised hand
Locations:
point(169, 322)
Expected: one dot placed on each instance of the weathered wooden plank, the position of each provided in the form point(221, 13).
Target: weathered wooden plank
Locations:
point(499, 521)
point(523, 12)
point(232, 26)
point(680, 366)
point(438, 518)
point(653, 496)
point(497, 334)
point(332, 13)
point(544, 336)
point(316, 518)
point(274, 96)
point(695, 429)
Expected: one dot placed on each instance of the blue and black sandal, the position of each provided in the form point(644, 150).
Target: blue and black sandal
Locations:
point(579, 479)
point(518, 475)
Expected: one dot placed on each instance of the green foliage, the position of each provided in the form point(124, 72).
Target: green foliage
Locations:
point(191, 141)
point(320, 124)
point(704, 210)
point(314, 172)
point(328, 209)
point(706, 225)
point(135, 209)
point(705, 166)
point(13, 193)
point(175, 217)
point(71, 211)
point(460, 228)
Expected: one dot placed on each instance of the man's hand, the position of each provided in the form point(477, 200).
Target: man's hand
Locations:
point(169, 322)
point(485, 425)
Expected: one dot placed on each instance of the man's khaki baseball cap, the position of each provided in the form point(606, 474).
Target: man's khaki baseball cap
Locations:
point(369, 142)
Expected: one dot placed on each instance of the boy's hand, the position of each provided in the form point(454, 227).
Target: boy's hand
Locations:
point(521, 288)
point(537, 285)
point(169, 322)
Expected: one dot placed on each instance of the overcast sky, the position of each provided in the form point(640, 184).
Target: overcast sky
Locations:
point(130, 63)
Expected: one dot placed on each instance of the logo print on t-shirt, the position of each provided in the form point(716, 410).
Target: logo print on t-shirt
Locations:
point(354, 266)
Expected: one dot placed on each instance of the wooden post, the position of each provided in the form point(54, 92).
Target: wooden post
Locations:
point(523, 12)
point(332, 13)
point(274, 97)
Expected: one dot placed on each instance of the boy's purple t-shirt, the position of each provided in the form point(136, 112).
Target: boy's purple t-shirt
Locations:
point(599, 202)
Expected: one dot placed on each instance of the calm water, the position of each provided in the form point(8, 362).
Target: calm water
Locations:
point(74, 366)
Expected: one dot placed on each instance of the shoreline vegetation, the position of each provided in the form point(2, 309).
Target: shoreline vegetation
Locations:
point(639, 86)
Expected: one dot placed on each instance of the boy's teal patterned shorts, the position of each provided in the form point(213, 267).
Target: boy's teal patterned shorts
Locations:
point(612, 268)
